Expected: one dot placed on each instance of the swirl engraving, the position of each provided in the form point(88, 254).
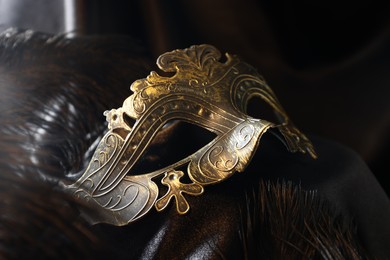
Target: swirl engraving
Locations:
point(131, 198)
point(111, 144)
point(244, 136)
point(139, 103)
point(221, 159)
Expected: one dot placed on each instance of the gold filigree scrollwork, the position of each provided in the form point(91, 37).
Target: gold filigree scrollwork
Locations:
point(204, 92)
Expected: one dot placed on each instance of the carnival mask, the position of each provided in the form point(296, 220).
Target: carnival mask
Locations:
point(203, 92)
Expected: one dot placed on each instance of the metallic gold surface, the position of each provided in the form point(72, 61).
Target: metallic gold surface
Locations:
point(202, 91)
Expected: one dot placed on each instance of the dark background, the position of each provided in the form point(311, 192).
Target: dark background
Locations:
point(328, 61)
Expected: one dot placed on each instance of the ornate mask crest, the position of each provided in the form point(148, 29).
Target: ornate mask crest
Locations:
point(204, 92)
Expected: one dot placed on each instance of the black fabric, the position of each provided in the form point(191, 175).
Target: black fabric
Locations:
point(62, 86)
point(341, 177)
point(210, 230)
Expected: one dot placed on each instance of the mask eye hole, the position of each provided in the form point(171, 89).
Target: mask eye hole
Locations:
point(175, 141)
point(128, 120)
point(260, 109)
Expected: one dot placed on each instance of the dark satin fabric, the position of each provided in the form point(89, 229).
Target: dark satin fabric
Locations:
point(53, 94)
point(211, 229)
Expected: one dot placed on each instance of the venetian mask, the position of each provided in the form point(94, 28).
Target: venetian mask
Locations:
point(202, 91)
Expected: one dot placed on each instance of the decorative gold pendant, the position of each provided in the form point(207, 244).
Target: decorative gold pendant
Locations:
point(204, 92)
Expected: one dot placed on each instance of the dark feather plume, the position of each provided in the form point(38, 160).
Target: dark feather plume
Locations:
point(282, 221)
